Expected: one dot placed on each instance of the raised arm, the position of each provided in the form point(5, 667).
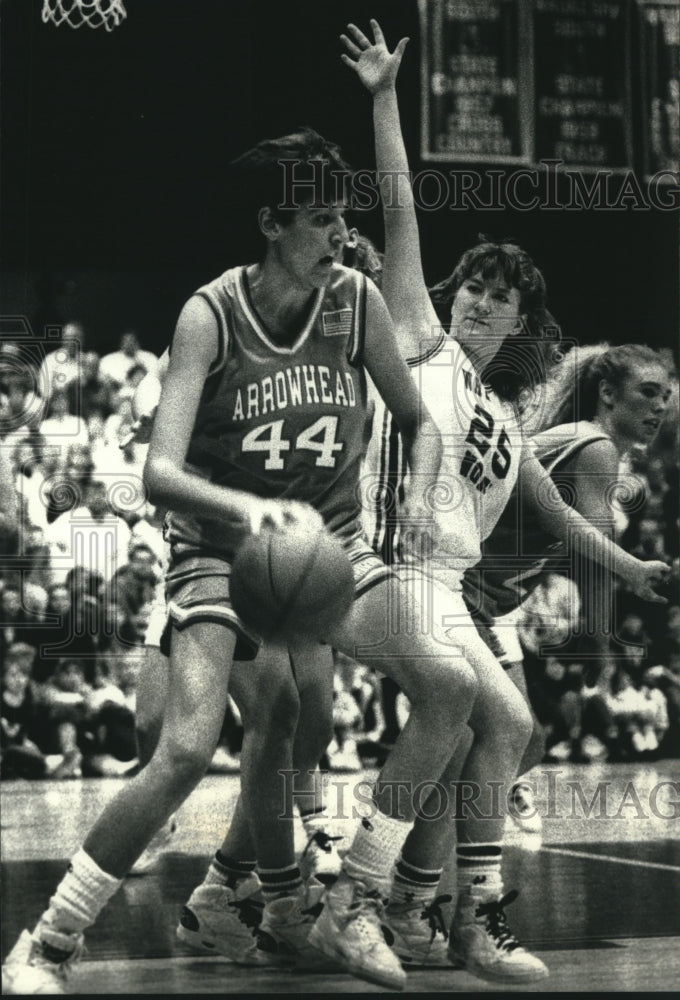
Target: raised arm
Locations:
point(403, 284)
point(194, 348)
point(554, 515)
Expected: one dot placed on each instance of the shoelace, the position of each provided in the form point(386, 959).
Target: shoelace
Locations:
point(497, 922)
point(365, 902)
point(433, 914)
point(322, 840)
point(249, 910)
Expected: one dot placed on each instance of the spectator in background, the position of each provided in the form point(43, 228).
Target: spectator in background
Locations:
point(65, 699)
point(21, 758)
point(61, 367)
point(89, 536)
point(111, 743)
point(62, 427)
point(25, 408)
point(10, 511)
point(90, 396)
point(19, 621)
point(29, 481)
point(133, 585)
point(117, 366)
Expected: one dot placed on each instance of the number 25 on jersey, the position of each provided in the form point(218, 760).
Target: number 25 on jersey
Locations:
point(480, 437)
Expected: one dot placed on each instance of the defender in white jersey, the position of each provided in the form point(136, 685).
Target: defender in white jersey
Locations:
point(496, 303)
point(210, 463)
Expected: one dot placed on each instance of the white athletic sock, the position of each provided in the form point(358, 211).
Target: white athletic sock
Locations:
point(376, 846)
point(412, 884)
point(478, 866)
point(80, 896)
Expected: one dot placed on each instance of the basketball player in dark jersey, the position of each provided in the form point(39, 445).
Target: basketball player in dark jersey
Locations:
point(261, 423)
point(600, 402)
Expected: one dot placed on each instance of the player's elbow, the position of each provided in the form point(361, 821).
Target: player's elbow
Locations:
point(160, 475)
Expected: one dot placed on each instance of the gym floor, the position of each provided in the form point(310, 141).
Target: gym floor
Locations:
point(599, 897)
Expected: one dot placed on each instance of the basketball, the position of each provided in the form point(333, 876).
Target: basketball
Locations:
point(291, 582)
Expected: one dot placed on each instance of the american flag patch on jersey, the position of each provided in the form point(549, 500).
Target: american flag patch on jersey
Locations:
point(338, 323)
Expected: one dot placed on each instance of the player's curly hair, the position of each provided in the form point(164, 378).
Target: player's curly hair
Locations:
point(290, 171)
point(525, 360)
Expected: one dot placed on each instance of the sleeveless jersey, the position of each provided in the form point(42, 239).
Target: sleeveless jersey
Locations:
point(481, 447)
point(282, 422)
point(518, 550)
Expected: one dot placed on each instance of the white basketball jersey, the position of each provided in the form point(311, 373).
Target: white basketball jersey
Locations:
point(482, 443)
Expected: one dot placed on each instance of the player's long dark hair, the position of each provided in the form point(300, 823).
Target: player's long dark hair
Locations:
point(524, 360)
point(572, 390)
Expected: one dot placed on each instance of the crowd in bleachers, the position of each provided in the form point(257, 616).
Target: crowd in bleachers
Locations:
point(77, 583)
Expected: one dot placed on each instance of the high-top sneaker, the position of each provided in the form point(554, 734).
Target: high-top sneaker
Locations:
point(350, 931)
point(419, 931)
point(481, 941)
point(41, 963)
point(224, 919)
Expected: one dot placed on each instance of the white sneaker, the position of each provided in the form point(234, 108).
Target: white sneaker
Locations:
point(482, 942)
point(320, 858)
point(41, 965)
point(217, 918)
point(522, 808)
point(349, 930)
point(148, 860)
point(283, 935)
point(420, 938)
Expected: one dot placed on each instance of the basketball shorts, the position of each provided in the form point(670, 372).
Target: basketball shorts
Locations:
point(197, 590)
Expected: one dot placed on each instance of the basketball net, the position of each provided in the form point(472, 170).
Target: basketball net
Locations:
point(106, 14)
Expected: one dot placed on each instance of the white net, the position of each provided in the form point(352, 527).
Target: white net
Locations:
point(107, 14)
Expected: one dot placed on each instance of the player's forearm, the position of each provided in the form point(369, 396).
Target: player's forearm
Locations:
point(423, 448)
point(183, 491)
point(570, 527)
point(390, 153)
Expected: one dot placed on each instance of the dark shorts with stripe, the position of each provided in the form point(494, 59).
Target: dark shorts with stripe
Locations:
point(197, 590)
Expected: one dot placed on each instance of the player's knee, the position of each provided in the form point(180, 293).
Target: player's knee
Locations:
point(448, 694)
point(458, 689)
point(185, 760)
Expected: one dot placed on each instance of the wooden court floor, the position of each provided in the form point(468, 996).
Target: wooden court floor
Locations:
point(599, 897)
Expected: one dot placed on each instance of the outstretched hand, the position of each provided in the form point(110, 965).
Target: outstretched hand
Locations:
point(373, 63)
point(650, 575)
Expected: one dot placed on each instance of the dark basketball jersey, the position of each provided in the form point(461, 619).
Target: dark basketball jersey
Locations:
point(517, 551)
point(282, 422)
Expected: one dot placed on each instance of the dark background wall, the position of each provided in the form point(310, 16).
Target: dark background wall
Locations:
point(114, 146)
